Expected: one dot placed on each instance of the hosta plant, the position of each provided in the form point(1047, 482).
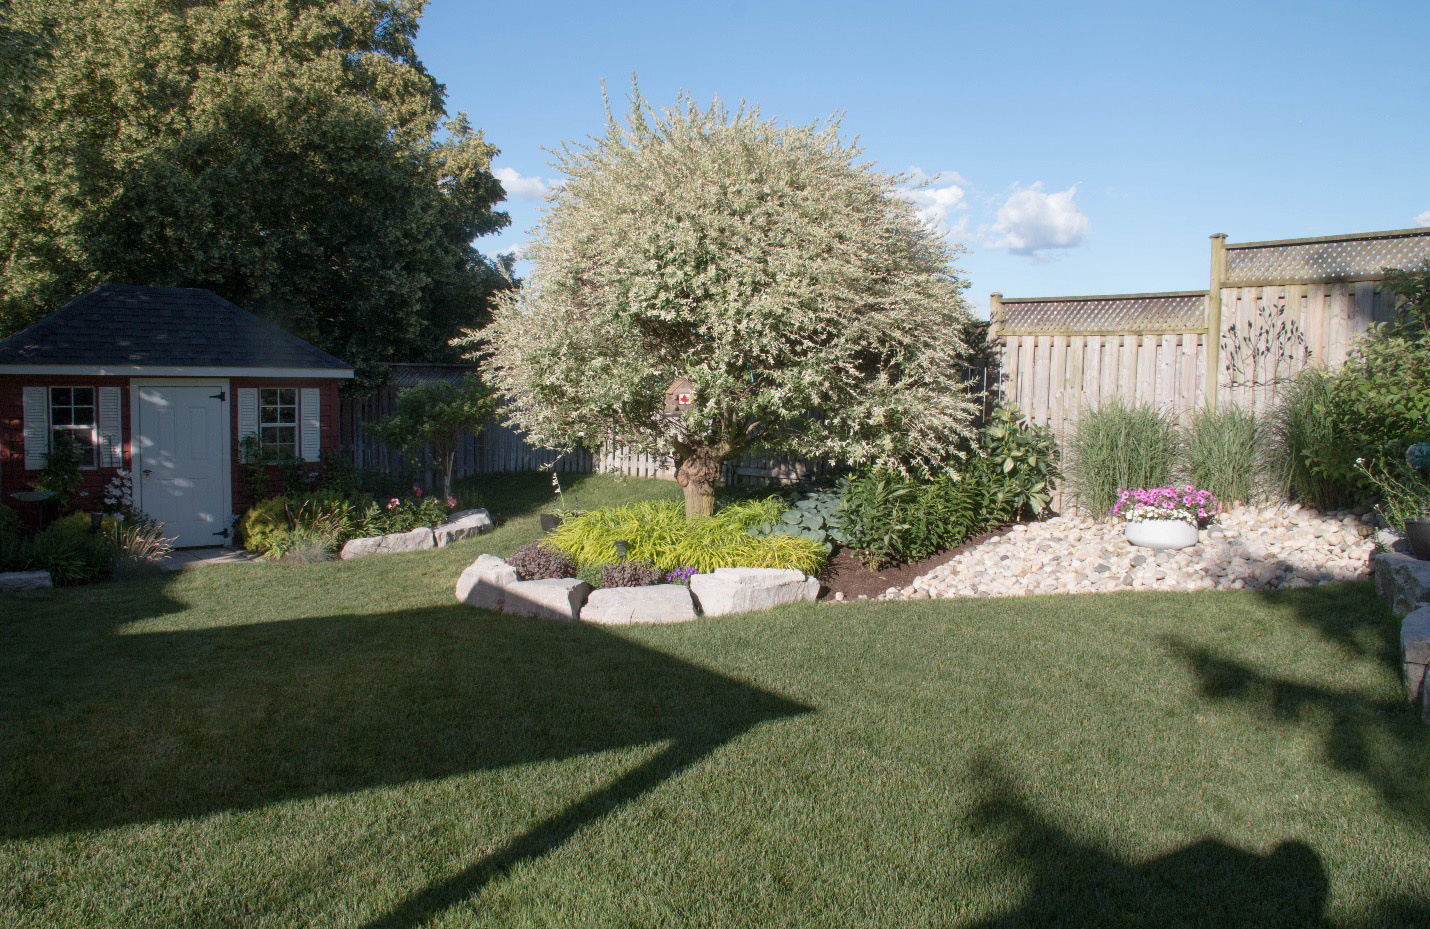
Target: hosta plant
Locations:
point(814, 516)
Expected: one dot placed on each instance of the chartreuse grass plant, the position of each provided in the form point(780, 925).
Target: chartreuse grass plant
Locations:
point(1220, 449)
point(658, 532)
point(1119, 445)
point(1304, 433)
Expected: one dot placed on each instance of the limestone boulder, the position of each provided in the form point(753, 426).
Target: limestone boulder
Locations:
point(465, 524)
point(1402, 580)
point(416, 540)
point(659, 603)
point(25, 580)
point(482, 583)
point(737, 590)
point(558, 598)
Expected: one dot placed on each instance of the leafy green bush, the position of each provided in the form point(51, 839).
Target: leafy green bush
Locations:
point(658, 532)
point(309, 527)
point(61, 474)
point(890, 517)
point(1119, 444)
point(10, 526)
point(1404, 491)
point(1024, 463)
point(1310, 460)
point(72, 556)
point(1221, 451)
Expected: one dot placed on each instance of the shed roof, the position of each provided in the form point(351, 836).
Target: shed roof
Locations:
point(125, 326)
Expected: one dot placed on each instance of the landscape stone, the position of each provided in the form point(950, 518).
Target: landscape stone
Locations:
point(556, 598)
point(482, 583)
point(658, 603)
point(736, 590)
point(1401, 580)
point(466, 524)
point(418, 539)
point(25, 580)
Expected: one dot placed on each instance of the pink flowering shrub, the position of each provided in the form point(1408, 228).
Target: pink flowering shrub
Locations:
point(1185, 504)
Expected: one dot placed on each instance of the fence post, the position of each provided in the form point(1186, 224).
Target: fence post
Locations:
point(1213, 315)
point(995, 314)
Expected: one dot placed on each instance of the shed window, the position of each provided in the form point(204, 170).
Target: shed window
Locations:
point(278, 421)
point(72, 414)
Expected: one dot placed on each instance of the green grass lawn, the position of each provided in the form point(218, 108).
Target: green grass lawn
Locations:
point(344, 745)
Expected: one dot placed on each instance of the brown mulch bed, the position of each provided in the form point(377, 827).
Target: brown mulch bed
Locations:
point(844, 574)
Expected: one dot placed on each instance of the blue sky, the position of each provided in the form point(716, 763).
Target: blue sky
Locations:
point(1083, 147)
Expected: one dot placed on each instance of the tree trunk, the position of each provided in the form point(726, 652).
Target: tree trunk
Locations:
point(697, 470)
point(450, 462)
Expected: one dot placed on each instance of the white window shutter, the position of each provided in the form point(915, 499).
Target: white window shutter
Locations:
point(311, 437)
point(37, 427)
point(247, 412)
point(111, 429)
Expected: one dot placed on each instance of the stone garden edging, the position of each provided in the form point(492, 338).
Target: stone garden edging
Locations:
point(1403, 581)
point(462, 525)
point(490, 583)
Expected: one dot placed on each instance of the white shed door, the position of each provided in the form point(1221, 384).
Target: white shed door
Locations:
point(181, 448)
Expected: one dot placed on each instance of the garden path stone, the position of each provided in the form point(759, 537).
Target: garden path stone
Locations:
point(25, 580)
point(658, 603)
point(736, 590)
point(466, 524)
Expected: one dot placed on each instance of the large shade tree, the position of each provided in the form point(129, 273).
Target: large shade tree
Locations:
point(792, 284)
point(292, 155)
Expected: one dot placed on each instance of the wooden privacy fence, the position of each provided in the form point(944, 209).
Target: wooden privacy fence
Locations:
point(499, 448)
point(1272, 309)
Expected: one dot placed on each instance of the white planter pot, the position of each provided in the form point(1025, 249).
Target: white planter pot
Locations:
point(1161, 533)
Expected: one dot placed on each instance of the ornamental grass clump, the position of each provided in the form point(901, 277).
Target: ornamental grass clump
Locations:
point(1120, 444)
point(1222, 453)
point(1184, 504)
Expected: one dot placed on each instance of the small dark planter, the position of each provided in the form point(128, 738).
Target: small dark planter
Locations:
point(550, 521)
point(1417, 533)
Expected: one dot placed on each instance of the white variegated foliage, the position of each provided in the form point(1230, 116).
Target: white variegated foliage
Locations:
point(771, 265)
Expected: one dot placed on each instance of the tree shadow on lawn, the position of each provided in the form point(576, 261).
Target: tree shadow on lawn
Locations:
point(1074, 882)
point(102, 728)
point(1375, 735)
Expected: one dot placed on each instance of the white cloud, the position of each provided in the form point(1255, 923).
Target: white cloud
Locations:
point(939, 197)
point(517, 252)
point(1423, 219)
point(521, 187)
point(1032, 221)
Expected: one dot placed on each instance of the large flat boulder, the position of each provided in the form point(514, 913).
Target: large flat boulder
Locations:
point(737, 590)
point(466, 524)
point(659, 603)
point(1415, 653)
point(557, 598)
point(1402, 580)
point(416, 540)
point(482, 583)
point(25, 580)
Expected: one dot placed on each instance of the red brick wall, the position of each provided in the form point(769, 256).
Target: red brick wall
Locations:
point(14, 477)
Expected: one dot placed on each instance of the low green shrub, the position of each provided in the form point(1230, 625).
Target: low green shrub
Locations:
point(1023, 463)
point(10, 526)
point(1120, 444)
point(659, 533)
point(890, 517)
point(1222, 453)
point(630, 574)
point(813, 516)
point(1403, 489)
point(537, 562)
point(72, 556)
point(310, 527)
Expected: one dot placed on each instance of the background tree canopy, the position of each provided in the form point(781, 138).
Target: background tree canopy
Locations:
point(293, 156)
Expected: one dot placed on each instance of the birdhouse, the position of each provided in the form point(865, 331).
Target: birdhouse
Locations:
point(679, 395)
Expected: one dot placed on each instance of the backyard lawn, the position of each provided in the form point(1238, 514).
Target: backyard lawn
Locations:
point(344, 745)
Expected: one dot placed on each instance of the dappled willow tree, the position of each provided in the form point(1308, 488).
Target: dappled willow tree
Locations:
point(811, 310)
point(292, 155)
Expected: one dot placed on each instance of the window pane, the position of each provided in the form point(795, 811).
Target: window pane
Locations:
point(83, 416)
point(268, 396)
point(83, 395)
point(287, 414)
point(287, 396)
point(59, 395)
point(61, 416)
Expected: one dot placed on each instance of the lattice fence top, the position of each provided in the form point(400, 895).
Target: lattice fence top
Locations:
point(1329, 258)
point(1119, 313)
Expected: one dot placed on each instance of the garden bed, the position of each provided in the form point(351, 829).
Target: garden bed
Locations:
point(845, 574)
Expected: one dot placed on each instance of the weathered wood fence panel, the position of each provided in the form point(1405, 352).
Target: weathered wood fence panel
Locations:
point(1272, 309)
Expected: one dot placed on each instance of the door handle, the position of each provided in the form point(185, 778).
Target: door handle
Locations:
point(147, 472)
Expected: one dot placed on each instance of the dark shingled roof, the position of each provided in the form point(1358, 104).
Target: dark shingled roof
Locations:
point(117, 324)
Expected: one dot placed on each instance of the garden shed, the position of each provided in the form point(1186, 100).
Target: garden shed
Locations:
point(165, 383)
